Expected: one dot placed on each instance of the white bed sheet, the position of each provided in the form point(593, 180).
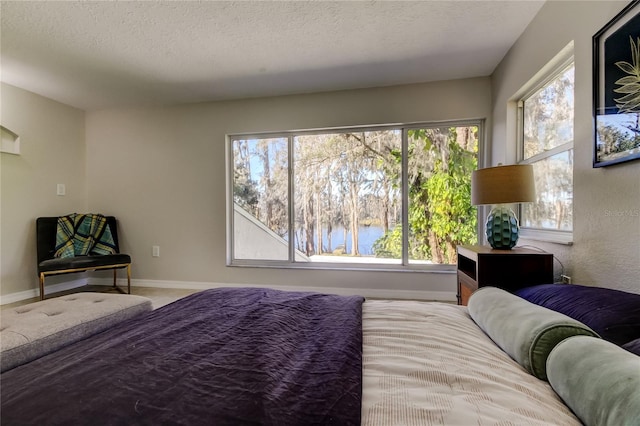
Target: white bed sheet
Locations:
point(427, 363)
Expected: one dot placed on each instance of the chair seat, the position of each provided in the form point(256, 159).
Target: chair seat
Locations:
point(83, 262)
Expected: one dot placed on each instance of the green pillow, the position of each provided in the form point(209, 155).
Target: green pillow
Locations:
point(527, 332)
point(598, 380)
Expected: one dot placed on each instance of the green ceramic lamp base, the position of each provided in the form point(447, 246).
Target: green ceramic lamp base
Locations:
point(502, 228)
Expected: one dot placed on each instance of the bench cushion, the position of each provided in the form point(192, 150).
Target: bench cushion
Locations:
point(30, 331)
point(83, 262)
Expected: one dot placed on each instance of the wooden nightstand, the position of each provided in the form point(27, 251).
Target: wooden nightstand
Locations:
point(480, 266)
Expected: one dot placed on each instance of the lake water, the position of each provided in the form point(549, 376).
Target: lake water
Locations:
point(367, 235)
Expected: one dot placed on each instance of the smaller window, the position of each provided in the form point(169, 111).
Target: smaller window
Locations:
point(546, 141)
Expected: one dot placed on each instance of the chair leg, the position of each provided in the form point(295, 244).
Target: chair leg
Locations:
point(129, 279)
point(41, 286)
point(114, 278)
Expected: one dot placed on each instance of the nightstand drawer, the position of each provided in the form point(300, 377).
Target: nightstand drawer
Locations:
point(480, 266)
point(466, 287)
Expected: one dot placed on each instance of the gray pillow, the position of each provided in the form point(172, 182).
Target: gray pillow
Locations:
point(598, 380)
point(525, 331)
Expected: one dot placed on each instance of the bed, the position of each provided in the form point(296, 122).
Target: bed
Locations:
point(259, 356)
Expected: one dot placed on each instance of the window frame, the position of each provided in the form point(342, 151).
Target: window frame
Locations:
point(553, 69)
point(405, 265)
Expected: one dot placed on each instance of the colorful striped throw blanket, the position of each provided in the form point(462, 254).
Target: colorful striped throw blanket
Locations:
point(82, 235)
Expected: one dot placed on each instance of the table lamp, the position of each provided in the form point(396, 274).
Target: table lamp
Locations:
point(502, 185)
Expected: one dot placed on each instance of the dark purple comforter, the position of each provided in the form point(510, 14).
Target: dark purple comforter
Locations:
point(219, 357)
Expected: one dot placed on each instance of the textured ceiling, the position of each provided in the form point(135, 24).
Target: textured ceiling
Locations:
point(95, 55)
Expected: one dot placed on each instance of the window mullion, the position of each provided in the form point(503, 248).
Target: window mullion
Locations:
point(548, 153)
point(291, 198)
point(520, 131)
point(405, 195)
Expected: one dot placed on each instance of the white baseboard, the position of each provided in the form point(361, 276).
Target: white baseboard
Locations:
point(48, 289)
point(441, 296)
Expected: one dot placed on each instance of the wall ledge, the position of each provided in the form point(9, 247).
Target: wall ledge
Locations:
point(439, 296)
point(372, 293)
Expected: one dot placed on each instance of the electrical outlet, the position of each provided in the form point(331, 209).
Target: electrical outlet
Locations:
point(566, 279)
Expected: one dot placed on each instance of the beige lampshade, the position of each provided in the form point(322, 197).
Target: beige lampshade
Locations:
point(503, 185)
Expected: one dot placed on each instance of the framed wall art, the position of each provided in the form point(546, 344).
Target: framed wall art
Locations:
point(616, 89)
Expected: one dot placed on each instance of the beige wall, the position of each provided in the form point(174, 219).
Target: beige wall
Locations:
point(606, 250)
point(161, 171)
point(52, 137)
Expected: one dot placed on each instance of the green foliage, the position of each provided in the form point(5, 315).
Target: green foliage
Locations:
point(390, 244)
point(452, 218)
point(440, 212)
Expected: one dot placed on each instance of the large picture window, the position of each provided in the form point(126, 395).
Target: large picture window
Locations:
point(385, 196)
point(546, 142)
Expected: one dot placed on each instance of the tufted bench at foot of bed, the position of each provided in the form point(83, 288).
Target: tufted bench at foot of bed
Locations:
point(30, 331)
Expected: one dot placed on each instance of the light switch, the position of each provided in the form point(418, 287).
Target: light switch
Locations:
point(62, 189)
point(155, 251)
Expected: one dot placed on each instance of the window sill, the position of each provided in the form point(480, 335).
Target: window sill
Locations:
point(437, 269)
point(549, 236)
